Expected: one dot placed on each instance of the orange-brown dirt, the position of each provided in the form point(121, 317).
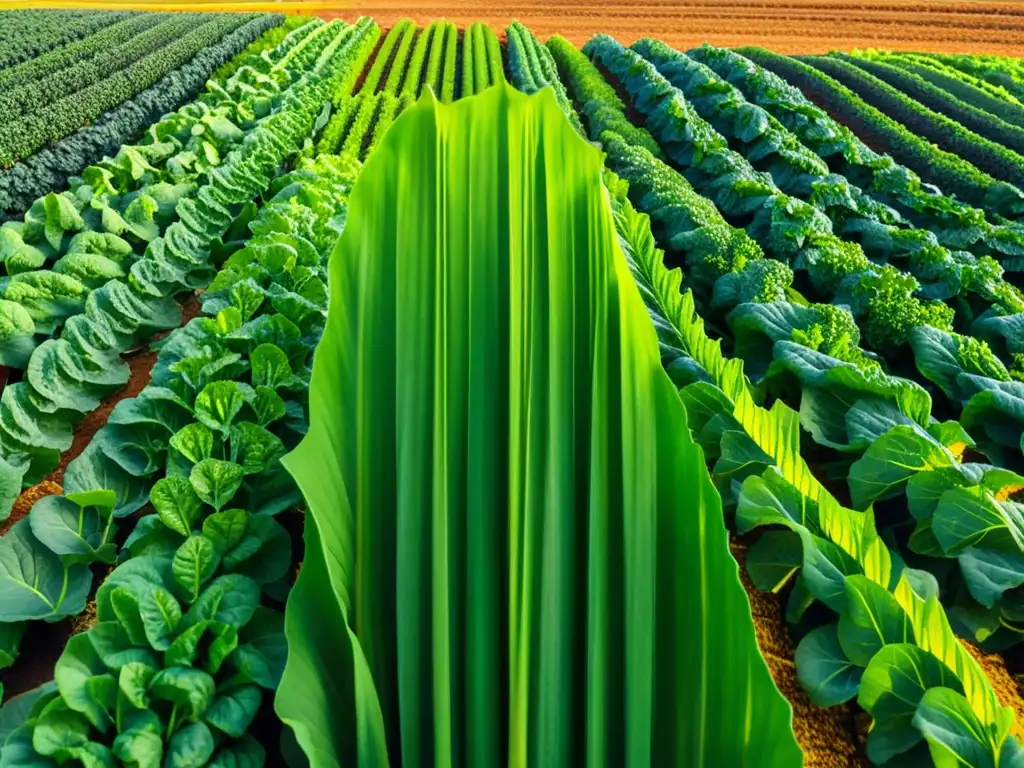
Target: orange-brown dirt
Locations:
point(785, 26)
point(830, 738)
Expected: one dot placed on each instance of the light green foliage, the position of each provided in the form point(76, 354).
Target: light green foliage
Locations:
point(378, 700)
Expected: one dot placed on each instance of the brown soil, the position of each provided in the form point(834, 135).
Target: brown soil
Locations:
point(369, 63)
point(786, 26)
point(24, 503)
point(828, 737)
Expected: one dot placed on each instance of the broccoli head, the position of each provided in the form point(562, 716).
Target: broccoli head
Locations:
point(834, 333)
point(893, 310)
point(1016, 367)
point(760, 281)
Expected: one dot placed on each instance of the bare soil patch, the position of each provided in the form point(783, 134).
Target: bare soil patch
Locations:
point(785, 26)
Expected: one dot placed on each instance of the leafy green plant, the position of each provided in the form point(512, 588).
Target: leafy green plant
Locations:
point(947, 128)
point(950, 172)
point(892, 647)
point(65, 378)
point(55, 166)
point(957, 224)
point(172, 673)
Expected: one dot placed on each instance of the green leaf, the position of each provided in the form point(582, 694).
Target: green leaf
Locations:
point(113, 644)
point(176, 504)
point(773, 559)
point(890, 461)
point(218, 404)
point(270, 367)
point(264, 554)
point(230, 599)
point(194, 442)
point(16, 334)
point(892, 686)
point(989, 573)
point(34, 583)
point(140, 741)
point(225, 529)
point(253, 447)
point(968, 518)
point(80, 532)
point(233, 712)
point(194, 563)
point(769, 500)
point(190, 747)
point(222, 640)
point(151, 537)
point(85, 683)
point(823, 669)
point(60, 733)
point(160, 614)
point(543, 307)
point(191, 689)
point(268, 406)
point(955, 735)
point(874, 619)
point(216, 481)
point(134, 680)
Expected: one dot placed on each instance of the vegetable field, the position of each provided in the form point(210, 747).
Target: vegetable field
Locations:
point(418, 391)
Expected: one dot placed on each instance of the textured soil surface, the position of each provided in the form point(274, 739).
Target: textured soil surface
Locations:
point(785, 26)
point(830, 737)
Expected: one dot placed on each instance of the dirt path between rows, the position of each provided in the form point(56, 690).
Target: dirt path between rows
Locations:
point(786, 26)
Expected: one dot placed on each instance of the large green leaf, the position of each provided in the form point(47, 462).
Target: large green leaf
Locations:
point(513, 548)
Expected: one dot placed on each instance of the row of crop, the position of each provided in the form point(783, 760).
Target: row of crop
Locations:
point(1002, 72)
point(939, 101)
point(890, 623)
point(202, 444)
point(53, 121)
point(889, 619)
point(26, 98)
point(890, 419)
point(973, 288)
point(882, 298)
point(64, 378)
point(994, 100)
point(989, 405)
point(361, 120)
point(134, 194)
point(949, 128)
point(87, 47)
point(481, 59)
point(527, 55)
point(956, 224)
point(949, 172)
point(883, 232)
point(31, 33)
point(52, 167)
point(268, 41)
